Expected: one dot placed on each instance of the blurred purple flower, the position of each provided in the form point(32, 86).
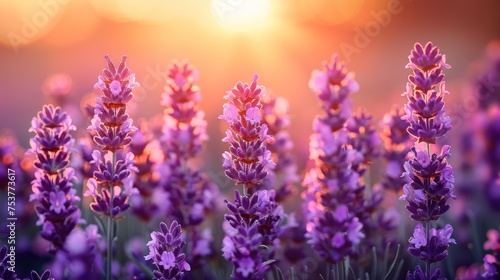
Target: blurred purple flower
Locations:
point(492, 261)
point(397, 147)
point(53, 193)
point(468, 273)
point(57, 87)
point(147, 155)
point(191, 194)
point(165, 249)
point(419, 274)
point(333, 185)
point(81, 259)
point(284, 175)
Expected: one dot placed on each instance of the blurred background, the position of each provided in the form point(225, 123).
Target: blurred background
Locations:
point(282, 41)
point(228, 41)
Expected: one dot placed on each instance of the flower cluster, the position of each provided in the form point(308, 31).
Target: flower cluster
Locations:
point(253, 222)
point(81, 259)
point(431, 184)
point(397, 142)
point(431, 177)
point(165, 249)
point(254, 219)
point(53, 192)
point(431, 247)
point(247, 158)
point(425, 108)
point(191, 195)
point(491, 261)
point(490, 131)
point(111, 128)
point(147, 155)
point(284, 175)
point(333, 185)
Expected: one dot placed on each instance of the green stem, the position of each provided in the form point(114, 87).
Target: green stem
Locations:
point(110, 233)
point(427, 223)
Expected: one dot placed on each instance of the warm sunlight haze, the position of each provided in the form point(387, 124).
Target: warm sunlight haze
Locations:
point(241, 14)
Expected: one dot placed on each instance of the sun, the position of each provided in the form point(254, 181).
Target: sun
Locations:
point(241, 14)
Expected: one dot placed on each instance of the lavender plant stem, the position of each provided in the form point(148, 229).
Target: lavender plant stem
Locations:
point(427, 226)
point(110, 233)
point(427, 263)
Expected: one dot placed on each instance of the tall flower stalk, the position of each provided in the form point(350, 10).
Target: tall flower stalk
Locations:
point(284, 175)
point(191, 194)
point(397, 147)
point(111, 127)
point(333, 185)
point(253, 221)
point(431, 177)
point(53, 192)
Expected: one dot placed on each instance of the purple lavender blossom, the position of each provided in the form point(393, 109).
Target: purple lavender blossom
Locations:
point(491, 261)
point(431, 185)
point(165, 249)
point(284, 175)
point(333, 186)
point(490, 132)
point(81, 259)
point(247, 158)
point(251, 224)
point(425, 108)
point(254, 219)
point(53, 190)
point(419, 274)
point(397, 142)
point(431, 247)
point(112, 127)
point(190, 193)
point(431, 177)
point(147, 155)
point(365, 138)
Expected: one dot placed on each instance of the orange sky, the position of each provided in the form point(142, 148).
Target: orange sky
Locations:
point(39, 38)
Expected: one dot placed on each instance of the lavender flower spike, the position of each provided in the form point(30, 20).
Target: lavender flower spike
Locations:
point(332, 185)
point(111, 128)
point(165, 249)
point(254, 218)
point(52, 187)
point(191, 194)
point(425, 108)
point(431, 177)
point(248, 156)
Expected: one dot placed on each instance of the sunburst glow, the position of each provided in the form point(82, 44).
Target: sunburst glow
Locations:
point(241, 14)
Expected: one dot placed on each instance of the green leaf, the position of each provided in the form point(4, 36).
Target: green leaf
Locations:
point(268, 262)
point(141, 265)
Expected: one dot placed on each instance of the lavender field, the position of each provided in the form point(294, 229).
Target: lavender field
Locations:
point(250, 140)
